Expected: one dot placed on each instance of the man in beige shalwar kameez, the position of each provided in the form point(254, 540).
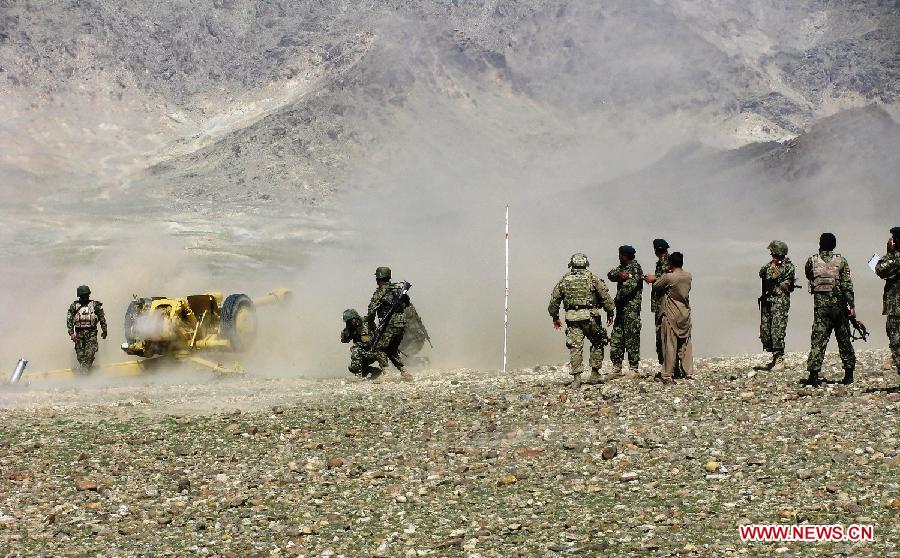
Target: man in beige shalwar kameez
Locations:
point(675, 319)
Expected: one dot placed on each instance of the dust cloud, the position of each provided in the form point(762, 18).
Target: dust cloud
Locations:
point(601, 154)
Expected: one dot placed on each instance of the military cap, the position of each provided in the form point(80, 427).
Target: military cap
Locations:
point(383, 273)
point(895, 231)
point(778, 248)
point(578, 260)
point(627, 250)
point(660, 244)
point(83, 290)
point(350, 314)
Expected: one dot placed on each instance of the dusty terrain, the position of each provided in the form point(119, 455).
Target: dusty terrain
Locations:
point(459, 463)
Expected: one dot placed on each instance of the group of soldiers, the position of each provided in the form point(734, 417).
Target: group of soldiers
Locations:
point(834, 305)
point(583, 295)
point(378, 342)
point(378, 336)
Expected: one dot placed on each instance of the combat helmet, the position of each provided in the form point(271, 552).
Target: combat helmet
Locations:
point(351, 314)
point(83, 290)
point(778, 248)
point(578, 261)
point(383, 273)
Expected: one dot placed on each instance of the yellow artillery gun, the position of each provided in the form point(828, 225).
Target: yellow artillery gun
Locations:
point(161, 330)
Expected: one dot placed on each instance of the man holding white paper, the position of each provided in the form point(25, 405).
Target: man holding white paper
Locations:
point(888, 268)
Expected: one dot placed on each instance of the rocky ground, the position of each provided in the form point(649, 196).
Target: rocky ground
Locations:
point(459, 463)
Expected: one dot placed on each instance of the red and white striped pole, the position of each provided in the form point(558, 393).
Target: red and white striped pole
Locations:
point(506, 297)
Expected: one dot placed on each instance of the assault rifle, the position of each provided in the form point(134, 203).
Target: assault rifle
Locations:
point(858, 330)
point(766, 286)
point(383, 322)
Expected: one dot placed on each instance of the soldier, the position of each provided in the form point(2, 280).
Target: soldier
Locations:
point(582, 294)
point(626, 332)
point(81, 321)
point(361, 354)
point(673, 289)
point(832, 289)
point(385, 296)
point(778, 278)
point(888, 268)
point(661, 249)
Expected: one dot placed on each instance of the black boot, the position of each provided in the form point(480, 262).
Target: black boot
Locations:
point(848, 377)
point(813, 379)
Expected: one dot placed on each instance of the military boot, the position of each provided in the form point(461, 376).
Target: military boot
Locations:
point(576, 381)
point(405, 375)
point(778, 363)
point(595, 377)
point(813, 379)
point(848, 377)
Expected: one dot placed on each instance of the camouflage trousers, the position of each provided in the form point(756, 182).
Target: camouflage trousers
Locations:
point(773, 322)
point(86, 348)
point(626, 337)
point(893, 333)
point(389, 345)
point(362, 358)
point(825, 320)
point(576, 332)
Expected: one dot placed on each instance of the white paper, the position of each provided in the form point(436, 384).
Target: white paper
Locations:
point(873, 261)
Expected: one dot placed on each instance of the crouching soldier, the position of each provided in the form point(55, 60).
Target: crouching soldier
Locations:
point(361, 354)
point(81, 321)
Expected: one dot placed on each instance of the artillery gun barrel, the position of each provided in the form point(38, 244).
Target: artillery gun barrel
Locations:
point(278, 296)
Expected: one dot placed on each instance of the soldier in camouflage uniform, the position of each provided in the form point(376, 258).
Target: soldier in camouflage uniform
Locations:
point(582, 294)
point(661, 249)
point(385, 295)
point(81, 322)
point(626, 332)
point(361, 354)
point(832, 289)
point(778, 278)
point(888, 268)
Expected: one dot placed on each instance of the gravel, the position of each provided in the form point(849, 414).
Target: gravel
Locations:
point(459, 463)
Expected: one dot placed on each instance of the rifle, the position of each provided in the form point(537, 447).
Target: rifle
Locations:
point(858, 329)
point(765, 288)
point(383, 322)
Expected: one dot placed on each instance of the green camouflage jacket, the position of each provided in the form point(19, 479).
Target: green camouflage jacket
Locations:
point(888, 268)
point(845, 283)
point(662, 266)
point(628, 292)
point(382, 299)
point(359, 334)
point(779, 279)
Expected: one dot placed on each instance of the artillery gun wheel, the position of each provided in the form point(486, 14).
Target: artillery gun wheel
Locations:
point(131, 314)
point(239, 321)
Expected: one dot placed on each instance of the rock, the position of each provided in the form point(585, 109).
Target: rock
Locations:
point(181, 451)
point(629, 476)
point(84, 484)
point(236, 501)
point(712, 466)
point(507, 480)
point(804, 474)
point(609, 452)
point(183, 484)
point(278, 410)
point(335, 462)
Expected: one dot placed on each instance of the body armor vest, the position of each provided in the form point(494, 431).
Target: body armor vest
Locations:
point(85, 317)
point(578, 291)
point(825, 274)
